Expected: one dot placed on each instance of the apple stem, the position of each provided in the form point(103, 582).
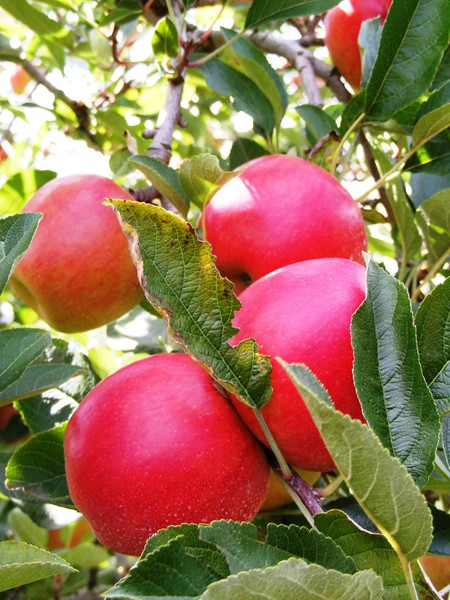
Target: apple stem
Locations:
point(305, 497)
point(281, 462)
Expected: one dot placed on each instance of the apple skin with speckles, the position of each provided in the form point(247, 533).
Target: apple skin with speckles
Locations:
point(156, 444)
point(302, 313)
point(78, 273)
point(280, 210)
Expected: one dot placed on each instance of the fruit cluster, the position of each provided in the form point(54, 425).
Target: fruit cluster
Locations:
point(157, 443)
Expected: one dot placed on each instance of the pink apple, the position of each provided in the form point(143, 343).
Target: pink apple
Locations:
point(342, 27)
point(156, 444)
point(77, 273)
point(302, 313)
point(280, 210)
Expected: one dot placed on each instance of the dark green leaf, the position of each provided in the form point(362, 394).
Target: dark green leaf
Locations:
point(379, 482)
point(411, 240)
point(18, 349)
point(424, 185)
point(248, 97)
point(38, 468)
point(369, 38)
point(433, 330)
point(431, 124)
point(262, 11)
point(174, 570)
point(414, 38)
point(369, 551)
point(318, 122)
point(253, 63)
point(36, 379)
point(443, 72)
point(396, 401)
point(165, 39)
point(16, 233)
point(165, 179)
point(182, 282)
point(243, 151)
point(21, 564)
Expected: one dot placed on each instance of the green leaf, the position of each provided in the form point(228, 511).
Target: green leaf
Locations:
point(36, 379)
point(440, 388)
point(433, 217)
point(25, 529)
point(396, 401)
point(253, 63)
point(431, 124)
point(369, 38)
point(179, 568)
point(19, 188)
point(37, 468)
point(7, 52)
point(433, 330)
point(412, 44)
point(180, 279)
point(294, 578)
point(21, 564)
point(165, 39)
point(318, 123)
point(369, 551)
point(248, 97)
point(379, 482)
point(18, 349)
point(33, 18)
point(262, 11)
point(165, 179)
point(200, 176)
point(443, 72)
point(244, 150)
point(245, 550)
point(16, 233)
point(404, 217)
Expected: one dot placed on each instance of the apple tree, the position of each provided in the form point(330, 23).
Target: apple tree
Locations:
point(224, 299)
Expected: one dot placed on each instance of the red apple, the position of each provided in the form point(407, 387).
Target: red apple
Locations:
point(342, 27)
point(3, 154)
point(302, 313)
point(156, 444)
point(438, 570)
point(20, 79)
point(6, 414)
point(78, 273)
point(280, 210)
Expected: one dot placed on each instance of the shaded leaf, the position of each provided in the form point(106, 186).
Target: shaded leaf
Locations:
point(248, 97)
point(318, 122)
point(396, 401)
point(37, 468)
point(18, 349)
point(21, 564)
point(16, 233)
point(180, 279)
point(433, 217)
point(262, 11)
point(370, 551)
point(431, 124)
point(379, 482)
point(413, 40)
point(165, 39)
point(164, 178)
point(243, 151)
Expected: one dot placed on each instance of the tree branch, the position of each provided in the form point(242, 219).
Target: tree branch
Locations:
point(305, 62)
